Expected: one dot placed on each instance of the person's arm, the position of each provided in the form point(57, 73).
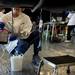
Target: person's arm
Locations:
point(26, 27)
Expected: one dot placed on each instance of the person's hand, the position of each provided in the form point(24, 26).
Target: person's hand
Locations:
point(13, 37)
point(67, 20)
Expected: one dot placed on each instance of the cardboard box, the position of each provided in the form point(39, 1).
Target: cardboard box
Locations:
point(3, 36)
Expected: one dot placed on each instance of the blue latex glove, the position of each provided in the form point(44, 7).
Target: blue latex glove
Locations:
point(12, 37)
point(2, 25)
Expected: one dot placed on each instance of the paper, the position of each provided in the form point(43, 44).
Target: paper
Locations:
point(11, 45)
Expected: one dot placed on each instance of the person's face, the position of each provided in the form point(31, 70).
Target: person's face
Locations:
point(16, 11)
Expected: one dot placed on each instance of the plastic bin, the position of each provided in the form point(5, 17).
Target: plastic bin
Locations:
point(16, 62)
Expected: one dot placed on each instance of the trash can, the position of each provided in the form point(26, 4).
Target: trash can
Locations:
point(16, 62)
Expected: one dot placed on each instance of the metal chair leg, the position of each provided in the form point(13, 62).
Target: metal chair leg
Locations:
point(68, 70)
point(55, 72)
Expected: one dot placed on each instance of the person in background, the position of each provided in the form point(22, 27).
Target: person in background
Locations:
point(70, 24)
point(22, 26)
point(35, 27)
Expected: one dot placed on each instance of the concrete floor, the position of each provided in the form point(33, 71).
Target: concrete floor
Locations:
point(48, 49)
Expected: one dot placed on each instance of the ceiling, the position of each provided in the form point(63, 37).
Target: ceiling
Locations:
point(46, 4)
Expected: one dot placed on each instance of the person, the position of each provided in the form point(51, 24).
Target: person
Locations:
point(70, 24)
point(35, 27)
point(22, 26)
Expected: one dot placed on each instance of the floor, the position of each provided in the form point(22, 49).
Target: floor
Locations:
point(48, 49)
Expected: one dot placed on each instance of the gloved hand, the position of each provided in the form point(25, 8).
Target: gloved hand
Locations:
point(12, 37)
point(2, 25)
